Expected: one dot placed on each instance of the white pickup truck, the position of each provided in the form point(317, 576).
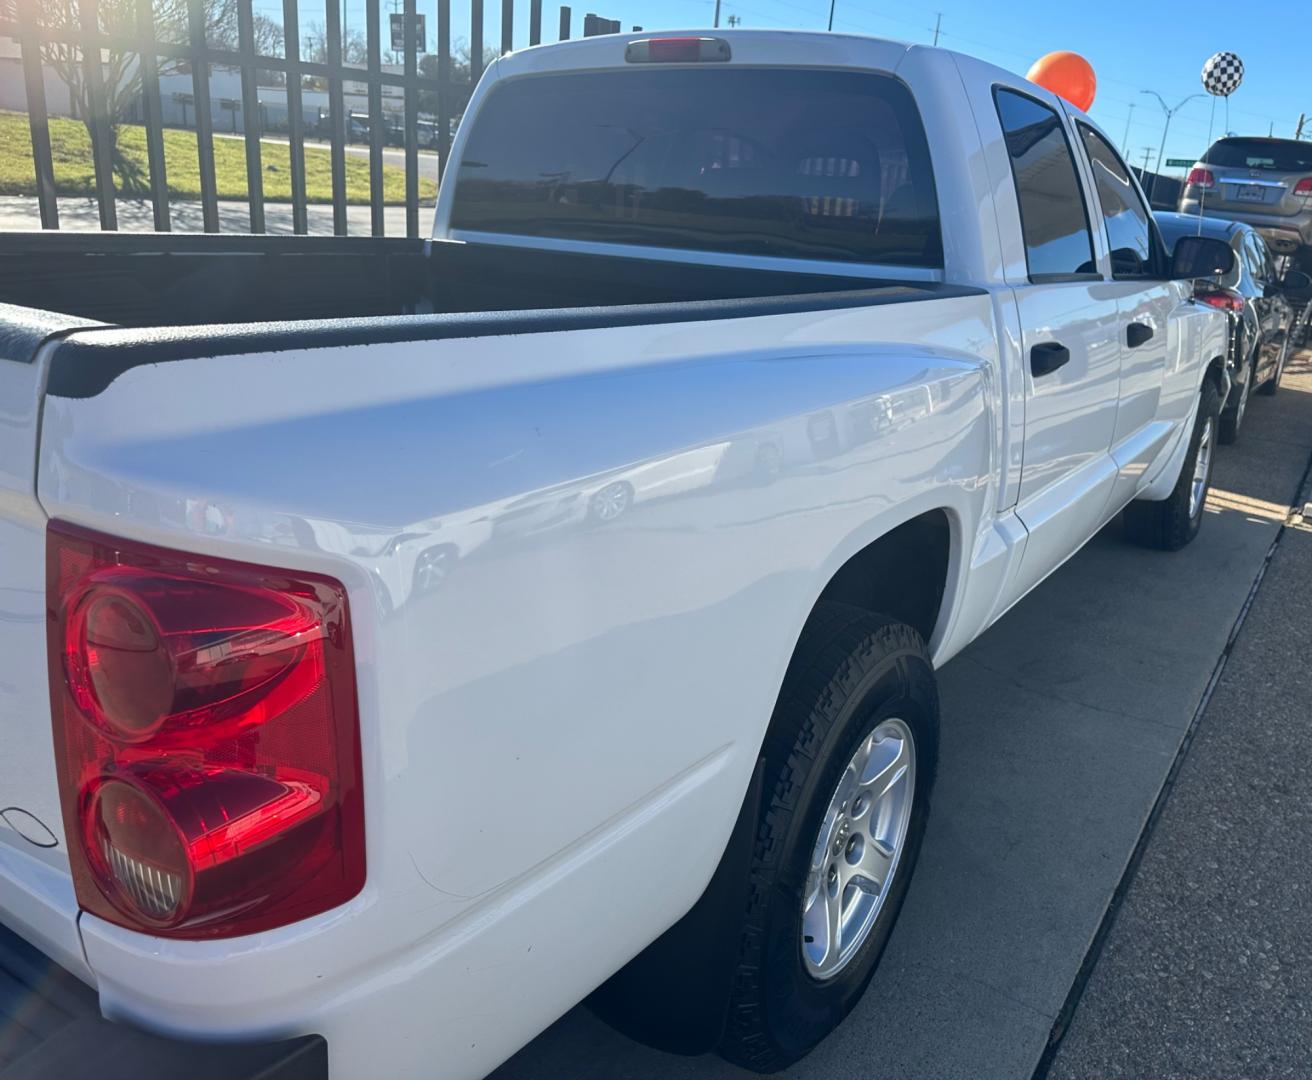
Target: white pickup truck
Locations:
point(401, 641)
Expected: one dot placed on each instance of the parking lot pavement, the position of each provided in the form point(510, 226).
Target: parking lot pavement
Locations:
point(1060, 726)
point(1206, 970)
point(19, 213)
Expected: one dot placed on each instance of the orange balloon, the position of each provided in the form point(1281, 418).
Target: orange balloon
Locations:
point(1066, 74)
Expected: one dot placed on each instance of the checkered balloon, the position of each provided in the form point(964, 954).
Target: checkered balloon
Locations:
point(1222, 74)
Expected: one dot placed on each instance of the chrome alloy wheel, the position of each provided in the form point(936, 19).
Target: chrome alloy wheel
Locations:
point(1202, 467)
point(857, 852)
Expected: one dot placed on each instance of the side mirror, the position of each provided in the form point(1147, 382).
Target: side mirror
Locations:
point(1201, 256)
point(1295, 281)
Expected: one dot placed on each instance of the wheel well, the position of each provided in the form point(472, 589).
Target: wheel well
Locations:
point(903, 574)
point(1216, 372)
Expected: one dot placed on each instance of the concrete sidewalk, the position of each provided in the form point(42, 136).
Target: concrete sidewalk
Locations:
point(1206, 970)
point(77, 214)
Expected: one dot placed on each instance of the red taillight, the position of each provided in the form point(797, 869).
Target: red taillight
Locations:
point(206, 736)
point(1202, 178)
point(1304, 187)
point(677, 50)
point(1225, 299)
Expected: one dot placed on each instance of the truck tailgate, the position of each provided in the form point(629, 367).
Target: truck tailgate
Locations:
point(51, 1029)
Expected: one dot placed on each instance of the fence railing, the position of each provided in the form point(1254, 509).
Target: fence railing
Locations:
point(24, 21)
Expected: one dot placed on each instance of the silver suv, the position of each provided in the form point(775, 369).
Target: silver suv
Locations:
point(1266, 183)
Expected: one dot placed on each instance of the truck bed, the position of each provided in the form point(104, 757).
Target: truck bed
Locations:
point(50, 1026)
point(178, 280)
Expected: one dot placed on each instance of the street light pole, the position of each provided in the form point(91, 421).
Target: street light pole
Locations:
point(1166, 128)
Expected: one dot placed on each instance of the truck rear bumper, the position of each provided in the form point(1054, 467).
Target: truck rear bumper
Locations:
point(51, 1029)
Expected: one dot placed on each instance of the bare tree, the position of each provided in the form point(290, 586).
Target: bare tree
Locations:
point(314, 50)
point(460, 68)
point(120, 68)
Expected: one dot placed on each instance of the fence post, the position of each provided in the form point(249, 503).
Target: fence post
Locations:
point(564, 24)
point(443, 85)
point(250, 114)
point(376, 214)
point(154, 118)
point(200, 92)
point(411, 122)
point(39, 124)
point(336, 116)
point(295, 115)
point(475, 42)
point(101, 143)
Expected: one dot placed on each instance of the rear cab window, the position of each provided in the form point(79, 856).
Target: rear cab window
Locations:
point(1054, 220)
point(804, 164)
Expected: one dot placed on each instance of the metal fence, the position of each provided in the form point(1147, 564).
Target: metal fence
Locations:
point(24, 22)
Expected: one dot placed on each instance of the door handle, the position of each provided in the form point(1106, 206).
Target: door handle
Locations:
point(1137, 333)
point(1048, 357)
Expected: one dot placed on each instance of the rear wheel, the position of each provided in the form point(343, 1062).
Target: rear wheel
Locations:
point(1172, 523)
point(1273, 384)
point(1232, 416)
point(849, 765)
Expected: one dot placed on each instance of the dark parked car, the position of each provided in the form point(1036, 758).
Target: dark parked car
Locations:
point(1264, 307)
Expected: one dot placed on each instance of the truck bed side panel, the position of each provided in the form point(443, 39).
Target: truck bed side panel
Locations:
point(577, 560)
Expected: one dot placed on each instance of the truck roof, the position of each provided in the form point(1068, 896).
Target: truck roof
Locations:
point(790, 47)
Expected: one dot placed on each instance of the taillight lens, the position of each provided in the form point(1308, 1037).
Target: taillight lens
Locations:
point(1224, 299)
point(1304, 187)
point(206, 736)
point(1202, 178)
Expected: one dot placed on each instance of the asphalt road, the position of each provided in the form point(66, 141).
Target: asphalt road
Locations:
point(76, 214)
point(428, 160)
point(1060, 726)
point(1207, 967)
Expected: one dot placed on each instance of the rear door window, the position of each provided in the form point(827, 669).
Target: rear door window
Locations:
point(804, 164)
point(1058, 242)
point(1123, 212)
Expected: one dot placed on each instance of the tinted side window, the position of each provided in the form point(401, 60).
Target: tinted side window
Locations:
point(1122, 209)
point(1253, 248)
point(1057, 238)
point(777, 162)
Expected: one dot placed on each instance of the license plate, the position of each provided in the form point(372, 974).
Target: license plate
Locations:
point(1250, 193)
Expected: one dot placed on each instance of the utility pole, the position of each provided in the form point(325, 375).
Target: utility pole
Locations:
point(1125, 142)
point(831, 12)
point(938, 22)
point(717, 14)
point(1167, 127)
point(734, 20)
point(1147, 153)
point(1302, 119)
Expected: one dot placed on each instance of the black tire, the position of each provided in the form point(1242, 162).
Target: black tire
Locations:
point(1168, 525)
point(853, 670)
point(1272, 385)
point(1232, 416)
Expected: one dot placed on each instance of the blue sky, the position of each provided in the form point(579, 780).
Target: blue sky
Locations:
point(1133, 45)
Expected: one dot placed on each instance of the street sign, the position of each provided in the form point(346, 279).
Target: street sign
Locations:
point(1179, 162)
point(398, 33)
